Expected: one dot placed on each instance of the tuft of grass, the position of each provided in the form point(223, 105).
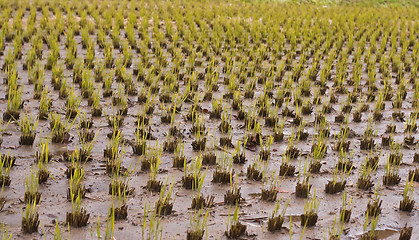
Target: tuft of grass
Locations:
point(155, 227)
point(311, 208)
point(60, 129)
point(5, 165)
point(28, 126)
point(4, 232)
point(235, 229)
point(32, 188)
point(198, 225)
point(408, 203)
point(30, 218)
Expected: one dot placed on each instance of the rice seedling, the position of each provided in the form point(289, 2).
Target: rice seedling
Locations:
point(179, 158)
point(83, 153)
point(120, 100)
point(85, 122)
point(216, 108)
point(14, 103)
point(42, 173)
point(108, 53)
point(86, 84)
point(318, 150)
point(114, 151)
point(155, 227)
point(107, 85)
point(58, 235)
point(70, 57)
point(78, 217)
point(38, 85)
point(302, 189)
point(237, 103)
point(410, 128)
point(32, 194)
point(345, 162)
point(233, 195)
point(5, 165)
point(239, 156)
point(28, 127)
point(269, 190)
point(311, 207)
point(225, 122)
point(258, 170)
point(57, 76)
point(374, 205)
point(292, 152)
point(338, 182)
point(192, 173)
point(139, 146)
point(78, 71)
point(408, 203)
point(199, 143)
point(276, 220)
point(335, 232)
point(225, 141)
point(120, 178)
point(8, 60)
point(99, 71)
point(4, 232)
point(60, 129)
point(223, 172)
point(414, 174)
point(30, 58)
point(372, 234)
point(278, 134)
point(118, 209)
point(53, 56)
point(346, 209)
point(406, 233)
point(265, 151)
point(153, 184)
point(72, 104)
point(76, 187)
point(30, 218)
point(301, 134)
point(367, 141)
point(391, 176)
point(235, 229)
point(163, 205)
point(199, 201)
point(76, 166)
point(250, 119)
point(209, 157)
point(286, 168)
point(378, 107)
point(149, 104)
point(198, 225)
point(115, 121)
point(341, 143)
point(7, 159)
point(152, 157)
point(167, 116)
point(365, 175)
point(64, 90)
point(45, 104)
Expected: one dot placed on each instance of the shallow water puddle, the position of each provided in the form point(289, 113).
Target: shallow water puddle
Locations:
point(387, 233)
